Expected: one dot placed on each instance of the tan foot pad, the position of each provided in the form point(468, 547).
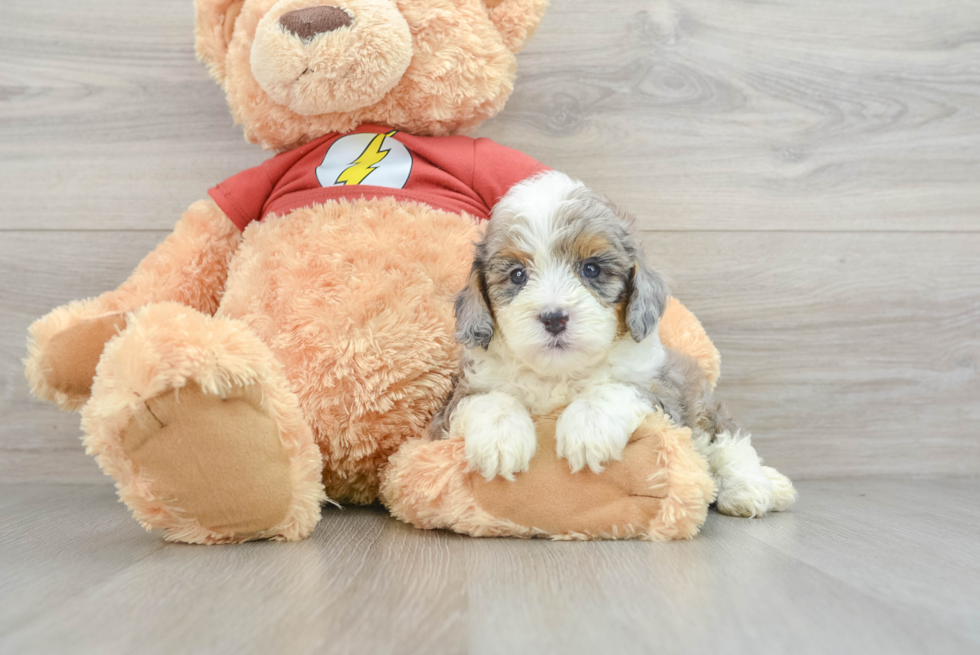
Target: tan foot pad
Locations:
point(72, 355)
point(623, 500)
point(659, 490)
point(217, 460)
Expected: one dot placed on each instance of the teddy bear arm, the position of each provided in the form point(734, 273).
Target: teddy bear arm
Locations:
point(190, 267)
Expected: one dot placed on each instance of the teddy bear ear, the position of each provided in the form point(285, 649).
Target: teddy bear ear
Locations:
point(516, 20)
point(214, 23)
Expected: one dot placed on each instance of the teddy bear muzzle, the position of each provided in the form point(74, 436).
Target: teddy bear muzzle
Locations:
point(321, 58)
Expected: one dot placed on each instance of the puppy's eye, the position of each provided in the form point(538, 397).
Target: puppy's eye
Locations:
point(518, 276)
point(591, 270)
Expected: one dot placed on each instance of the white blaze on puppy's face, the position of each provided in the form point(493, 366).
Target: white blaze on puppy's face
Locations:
point(552, 295)
point(556, 270)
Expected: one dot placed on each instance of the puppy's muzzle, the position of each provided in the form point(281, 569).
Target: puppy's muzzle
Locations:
point(554, 322)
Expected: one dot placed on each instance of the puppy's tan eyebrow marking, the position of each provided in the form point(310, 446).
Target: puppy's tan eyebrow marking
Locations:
point(590, 244)
point(515, 254)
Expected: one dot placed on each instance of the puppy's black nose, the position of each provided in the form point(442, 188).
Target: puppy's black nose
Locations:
point(554, 322)
point(307, 23)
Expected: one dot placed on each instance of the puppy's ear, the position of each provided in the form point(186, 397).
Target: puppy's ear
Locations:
point(474, 319)
point(647, 299)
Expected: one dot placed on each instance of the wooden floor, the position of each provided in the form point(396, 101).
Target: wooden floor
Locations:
point(860, 566)
point(808, 174)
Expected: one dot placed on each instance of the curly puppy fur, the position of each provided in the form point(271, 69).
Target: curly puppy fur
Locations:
point(561, 310)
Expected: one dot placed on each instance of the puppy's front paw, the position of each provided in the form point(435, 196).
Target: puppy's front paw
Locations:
point(501, 446)
point(586, 435)
point(498, 433)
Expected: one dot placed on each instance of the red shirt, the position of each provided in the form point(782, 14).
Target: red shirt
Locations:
point(454, 173)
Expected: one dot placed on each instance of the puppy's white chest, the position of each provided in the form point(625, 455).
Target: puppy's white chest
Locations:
point(549, 395)
point(628, 362)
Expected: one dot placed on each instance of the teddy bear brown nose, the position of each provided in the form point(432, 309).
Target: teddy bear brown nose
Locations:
point(307, 23)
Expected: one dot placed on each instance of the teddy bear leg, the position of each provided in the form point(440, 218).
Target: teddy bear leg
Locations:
point(193, 417)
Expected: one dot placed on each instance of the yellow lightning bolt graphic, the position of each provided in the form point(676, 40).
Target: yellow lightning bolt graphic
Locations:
point(366, 162)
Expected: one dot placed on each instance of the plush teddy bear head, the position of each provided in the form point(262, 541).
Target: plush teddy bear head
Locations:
point(294, 70)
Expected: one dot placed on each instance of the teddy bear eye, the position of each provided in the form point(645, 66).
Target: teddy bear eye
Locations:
point(591, 270)
point(518, 276)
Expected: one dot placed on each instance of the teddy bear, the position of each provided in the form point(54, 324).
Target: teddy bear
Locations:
point(289, 341)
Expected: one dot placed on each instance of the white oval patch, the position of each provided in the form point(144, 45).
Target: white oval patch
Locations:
point(368, 159)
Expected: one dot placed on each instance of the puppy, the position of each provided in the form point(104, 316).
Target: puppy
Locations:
point(561, 310)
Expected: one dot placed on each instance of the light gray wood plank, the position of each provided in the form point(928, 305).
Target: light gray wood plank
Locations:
point(724, 592)
point(926, 530)
point(698, 114)
point(366, 583)
point(107, 120)
point(713, 114)
point(362, 583)
point(58, 542)
point(844, 354)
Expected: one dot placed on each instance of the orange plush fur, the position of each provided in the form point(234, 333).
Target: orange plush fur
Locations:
point(167, 346)
point(334, 321)
point(354, 299)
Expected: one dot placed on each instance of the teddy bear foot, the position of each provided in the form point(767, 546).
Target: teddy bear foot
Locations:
point(193, 418)
point(64, 348)
point(214, 458)
point(72, 355)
